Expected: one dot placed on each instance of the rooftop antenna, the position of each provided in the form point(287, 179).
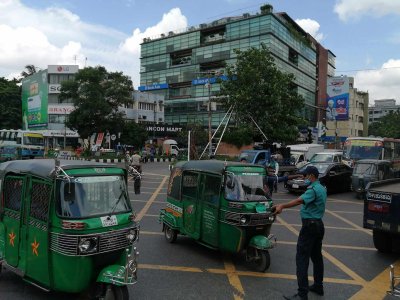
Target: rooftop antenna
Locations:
point(85, 61)
point(75, 59)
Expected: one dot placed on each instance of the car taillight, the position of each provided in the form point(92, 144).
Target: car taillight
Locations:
point(73, 225)
point(378, 207)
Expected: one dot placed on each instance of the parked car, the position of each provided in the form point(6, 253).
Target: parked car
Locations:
point(369, 170)
point(331, 156)
point(336, 177)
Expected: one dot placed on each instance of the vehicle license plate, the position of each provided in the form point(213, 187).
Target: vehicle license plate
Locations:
point(109, 221)
point(295, 186)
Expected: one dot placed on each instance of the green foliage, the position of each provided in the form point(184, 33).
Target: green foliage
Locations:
point(133, 134)
point(29, 70)
point(258, 89)
point(96, 95)
point(387, 126)
point(239, 136)
point(10, 104)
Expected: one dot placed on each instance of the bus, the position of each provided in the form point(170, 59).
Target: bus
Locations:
point(356, 148)
point(28, 144)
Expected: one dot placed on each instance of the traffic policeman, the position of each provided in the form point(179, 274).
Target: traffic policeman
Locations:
point(309, 243)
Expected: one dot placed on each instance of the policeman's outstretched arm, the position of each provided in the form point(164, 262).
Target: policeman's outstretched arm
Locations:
point(277, 209)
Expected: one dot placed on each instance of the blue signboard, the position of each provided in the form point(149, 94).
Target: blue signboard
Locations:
point(160, 86)
point(213, 80)
point(337, 108)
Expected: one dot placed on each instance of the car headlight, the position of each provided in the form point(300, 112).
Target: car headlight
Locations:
point(244, 220)
point(132, 235)
point(88, 245)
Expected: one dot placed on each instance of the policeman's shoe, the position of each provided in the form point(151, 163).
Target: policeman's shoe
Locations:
point(319, 290)
point(296, 297)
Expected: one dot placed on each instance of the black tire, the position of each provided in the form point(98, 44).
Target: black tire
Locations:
point(382, 241)
point(115, 293)
point(170, 234)
point(262, 263)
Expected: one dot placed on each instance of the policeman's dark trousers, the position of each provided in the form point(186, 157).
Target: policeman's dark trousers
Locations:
point(309, 245)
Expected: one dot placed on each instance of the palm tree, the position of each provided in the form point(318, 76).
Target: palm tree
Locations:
point(29, 70)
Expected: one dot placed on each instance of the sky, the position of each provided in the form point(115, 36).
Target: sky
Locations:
point(363, 35)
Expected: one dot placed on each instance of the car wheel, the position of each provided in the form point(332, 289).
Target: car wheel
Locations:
point(382, 241)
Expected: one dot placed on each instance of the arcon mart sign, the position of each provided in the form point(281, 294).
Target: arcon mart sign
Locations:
point(163, 129)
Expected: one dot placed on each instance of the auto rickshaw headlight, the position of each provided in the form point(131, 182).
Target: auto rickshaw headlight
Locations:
point(244, 220)
point(88, 245)
point(132, 236)
point(271, 218)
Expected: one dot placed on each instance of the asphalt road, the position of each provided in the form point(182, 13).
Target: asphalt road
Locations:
point(187, 270)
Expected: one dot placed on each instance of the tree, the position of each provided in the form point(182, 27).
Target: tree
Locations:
point(387, 126)
point(97, 95)
point(258, 89)
point(29, 70)
point(198, 138)
point(133, 134)
point(10, 104)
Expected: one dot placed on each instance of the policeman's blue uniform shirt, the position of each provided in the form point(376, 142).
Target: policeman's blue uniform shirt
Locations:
point(313, 209)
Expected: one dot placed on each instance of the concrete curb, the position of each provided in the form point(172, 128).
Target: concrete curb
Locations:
point(115, 160)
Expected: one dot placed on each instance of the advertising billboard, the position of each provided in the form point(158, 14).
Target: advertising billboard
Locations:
point(34, 101)
point(337, 102)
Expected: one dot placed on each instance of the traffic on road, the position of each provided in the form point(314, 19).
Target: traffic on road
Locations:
point(354, 269)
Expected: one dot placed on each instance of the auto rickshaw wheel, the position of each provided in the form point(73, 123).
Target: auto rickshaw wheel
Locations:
point(114, 292)
point(170, 234)
point(262, 260)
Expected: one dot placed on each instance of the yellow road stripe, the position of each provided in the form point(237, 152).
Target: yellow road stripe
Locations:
point(326, 227)
point(233, 278)
point(345, 201)
point(377, 287)
point(148, 193)
point(151, 232)
point(347, 212)
point(332, 259)
point(333, 246)
point(170, 268)
point(151, 200)
point(367, 231)
point(158, 202)
point(237, 285)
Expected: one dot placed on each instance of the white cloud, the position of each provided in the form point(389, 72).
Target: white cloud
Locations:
point(312, 27)
point(58, 36)
point(355, 9)
point(382, 83)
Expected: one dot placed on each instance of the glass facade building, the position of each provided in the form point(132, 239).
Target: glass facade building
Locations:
point(179, 65)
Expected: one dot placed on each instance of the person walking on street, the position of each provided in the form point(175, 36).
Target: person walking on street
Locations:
point(309, 243)
point(127, 160)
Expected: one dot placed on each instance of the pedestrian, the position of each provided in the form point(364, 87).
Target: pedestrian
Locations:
point(127, 160)
point(271, 180)
point(309, 243)
point(273, 167)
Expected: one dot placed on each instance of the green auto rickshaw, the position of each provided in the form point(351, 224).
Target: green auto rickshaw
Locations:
point(68, 226)
point(222, 206)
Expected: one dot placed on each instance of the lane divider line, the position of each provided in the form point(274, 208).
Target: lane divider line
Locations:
point(377, 287)
point(329, 257)
point(367, 231)
point(151, 200)
point(233, 278)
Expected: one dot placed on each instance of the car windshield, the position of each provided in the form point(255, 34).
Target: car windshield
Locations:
point(368, 169)
point(363, 152)
point(83, 197)
point(322, 157)
point(245, 187)
point(321, 167)
point(249, 156)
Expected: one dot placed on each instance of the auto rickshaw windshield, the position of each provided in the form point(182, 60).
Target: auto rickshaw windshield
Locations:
point(368, 169)
point(83, 197)
point(245, 187)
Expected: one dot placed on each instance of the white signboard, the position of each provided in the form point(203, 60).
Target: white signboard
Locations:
point(62, 69)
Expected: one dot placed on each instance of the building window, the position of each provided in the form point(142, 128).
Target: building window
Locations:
point(293, 56)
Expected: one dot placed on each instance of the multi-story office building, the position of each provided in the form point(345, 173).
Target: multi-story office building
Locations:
point(183, 66)
point(350, 112)
point(382, 108)
point(42, 109)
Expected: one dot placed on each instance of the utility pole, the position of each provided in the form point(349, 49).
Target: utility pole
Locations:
point(209, 118)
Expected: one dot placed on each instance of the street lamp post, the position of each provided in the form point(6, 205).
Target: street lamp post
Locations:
point(154, 121)
point(65, 128)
